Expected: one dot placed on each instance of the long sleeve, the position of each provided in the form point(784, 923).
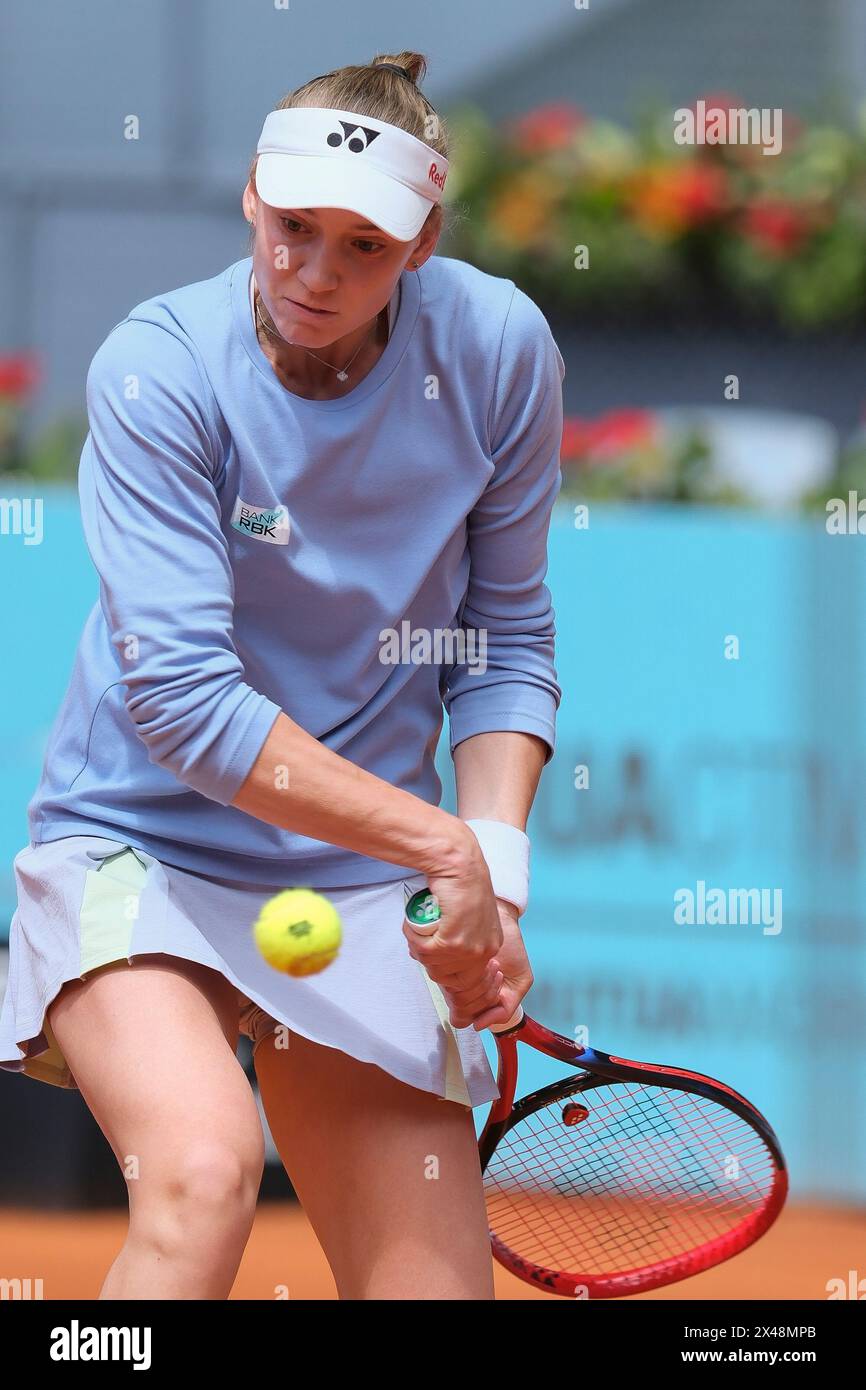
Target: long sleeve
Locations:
point(507, 537)
point(151, 519)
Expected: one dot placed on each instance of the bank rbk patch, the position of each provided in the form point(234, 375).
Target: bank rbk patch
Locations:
point(269, 524)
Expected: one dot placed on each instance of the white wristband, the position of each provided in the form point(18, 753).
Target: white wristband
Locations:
point(506, 853)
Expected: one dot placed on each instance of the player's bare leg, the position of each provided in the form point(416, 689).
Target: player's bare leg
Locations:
point(151, 1046)
point(388, 1174)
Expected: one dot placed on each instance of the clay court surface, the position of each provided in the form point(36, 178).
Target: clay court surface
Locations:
point(72, 1252)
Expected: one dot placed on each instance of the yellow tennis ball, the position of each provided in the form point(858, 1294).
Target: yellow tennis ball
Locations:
point(298, 931)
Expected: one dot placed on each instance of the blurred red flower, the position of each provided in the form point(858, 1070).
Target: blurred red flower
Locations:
point(671, 198)
point(19, 374)
point(574, 436)
point(701, 192)
point(776, 227)
point(608, 435)
point(549, 127)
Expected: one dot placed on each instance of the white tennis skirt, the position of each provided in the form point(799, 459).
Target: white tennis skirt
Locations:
point(84, 901)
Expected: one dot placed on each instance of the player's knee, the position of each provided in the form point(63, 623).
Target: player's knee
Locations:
point(209, 1183)
point(216, 1172)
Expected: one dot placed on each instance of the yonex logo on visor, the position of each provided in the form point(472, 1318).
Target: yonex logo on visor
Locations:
point(353, 143)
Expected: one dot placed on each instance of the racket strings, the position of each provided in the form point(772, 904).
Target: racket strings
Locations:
point(624, 1221)
point(649, 1175)
point(620, 1210)
point(622, 1232)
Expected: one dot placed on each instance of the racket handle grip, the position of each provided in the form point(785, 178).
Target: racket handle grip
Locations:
point(423, 930)
point(512, 1022)
point(422, 915)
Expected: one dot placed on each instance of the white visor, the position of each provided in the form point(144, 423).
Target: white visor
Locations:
point(315, 156)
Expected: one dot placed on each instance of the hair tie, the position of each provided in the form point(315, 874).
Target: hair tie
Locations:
point(395, 67)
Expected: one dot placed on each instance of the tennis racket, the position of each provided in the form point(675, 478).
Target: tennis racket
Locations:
point(622, 1176)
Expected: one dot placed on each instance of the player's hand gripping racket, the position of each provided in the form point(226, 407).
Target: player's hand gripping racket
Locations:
point(622, 1176)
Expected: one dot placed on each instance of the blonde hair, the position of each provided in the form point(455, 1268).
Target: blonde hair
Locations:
point(372, 90)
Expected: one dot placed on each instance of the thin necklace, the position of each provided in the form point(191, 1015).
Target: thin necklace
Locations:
point(342, 372)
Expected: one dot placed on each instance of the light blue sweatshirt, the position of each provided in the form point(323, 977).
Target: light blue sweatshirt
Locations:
point(256, 549)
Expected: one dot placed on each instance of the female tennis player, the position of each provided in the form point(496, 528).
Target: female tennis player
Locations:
point(335, 440)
